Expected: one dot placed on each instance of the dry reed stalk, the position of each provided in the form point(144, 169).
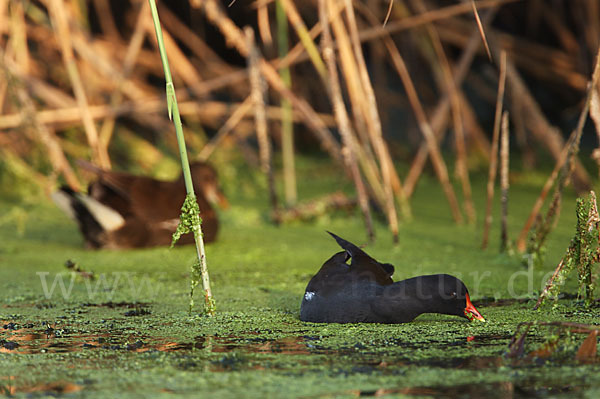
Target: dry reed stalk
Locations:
point(105, 18)
point(434, 151)
point(181, 64)
point(233, 79)
point(297, 53)
point(427, 131)
point(475, 132)
point(133, 50)
point(4, 26)
point(461, 161)
point(487, 222)
point(527, 152)
point(504, 183)
point(455, 103)
point(567, 39)
point(50, 95)
point(102, 63)
point(264, 26)
point(3, 90)
point(304, 36)
point(428, 17)
point(564, 167)
point(236, 116)
point(342, 118)
point(371, 173)
point(377, 62)
point(208, 111)
point(257, 93)
point(377, 139)
point(592, 87)
point(357, 98)
point(146, 63)
point(536, 122)
point(481, 30)
point(592, 31)
point(234, 37)
point(287, 125)
point(518, 48)
point(388, 13)
point(61, 26)
point(41, 132)
point(79, 13)
point(349, 67)
point(375, 129)
point(440, 113)
point(18, 37)
point(530, 56)
point(196, 45)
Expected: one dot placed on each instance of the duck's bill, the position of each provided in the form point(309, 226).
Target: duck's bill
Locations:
point(222, 201)
point(471, 312)
point(216, 196)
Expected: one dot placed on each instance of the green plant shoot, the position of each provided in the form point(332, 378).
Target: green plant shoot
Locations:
point(189, 219)
point(583, 253)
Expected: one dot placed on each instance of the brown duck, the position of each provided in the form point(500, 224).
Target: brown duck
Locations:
point(122, 210)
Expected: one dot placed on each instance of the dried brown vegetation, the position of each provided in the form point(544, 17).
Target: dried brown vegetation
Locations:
point(83, 80)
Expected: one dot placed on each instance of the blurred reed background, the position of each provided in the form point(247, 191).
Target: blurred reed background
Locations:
point(380, 87)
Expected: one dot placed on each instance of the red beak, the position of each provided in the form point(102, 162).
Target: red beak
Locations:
point(471, 312)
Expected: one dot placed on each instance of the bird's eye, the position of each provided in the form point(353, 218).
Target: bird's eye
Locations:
point(453, 295)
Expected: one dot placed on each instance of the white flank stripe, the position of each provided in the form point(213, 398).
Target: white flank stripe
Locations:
point(108, 218)
point(63, 202)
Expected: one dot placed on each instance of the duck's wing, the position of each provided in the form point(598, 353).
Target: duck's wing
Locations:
point(142, 196)
point(363, 263)
point(107, 183)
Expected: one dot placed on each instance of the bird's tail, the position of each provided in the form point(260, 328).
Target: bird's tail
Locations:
point(355, 251)
point(93, 217)
point(352, 249)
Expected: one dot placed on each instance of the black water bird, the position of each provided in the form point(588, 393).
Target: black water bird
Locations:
point(122, 210)
point(364, 292)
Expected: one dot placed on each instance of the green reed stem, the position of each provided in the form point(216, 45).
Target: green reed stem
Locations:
point(190, 221)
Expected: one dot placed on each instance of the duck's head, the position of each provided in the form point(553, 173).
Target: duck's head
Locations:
point(206, 182)
point(449, 295)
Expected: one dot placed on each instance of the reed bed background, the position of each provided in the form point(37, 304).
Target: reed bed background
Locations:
point(382, 87)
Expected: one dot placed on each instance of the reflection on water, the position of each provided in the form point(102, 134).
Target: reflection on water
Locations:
point(497, 390)
point(28, 339)
point(231, 353)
